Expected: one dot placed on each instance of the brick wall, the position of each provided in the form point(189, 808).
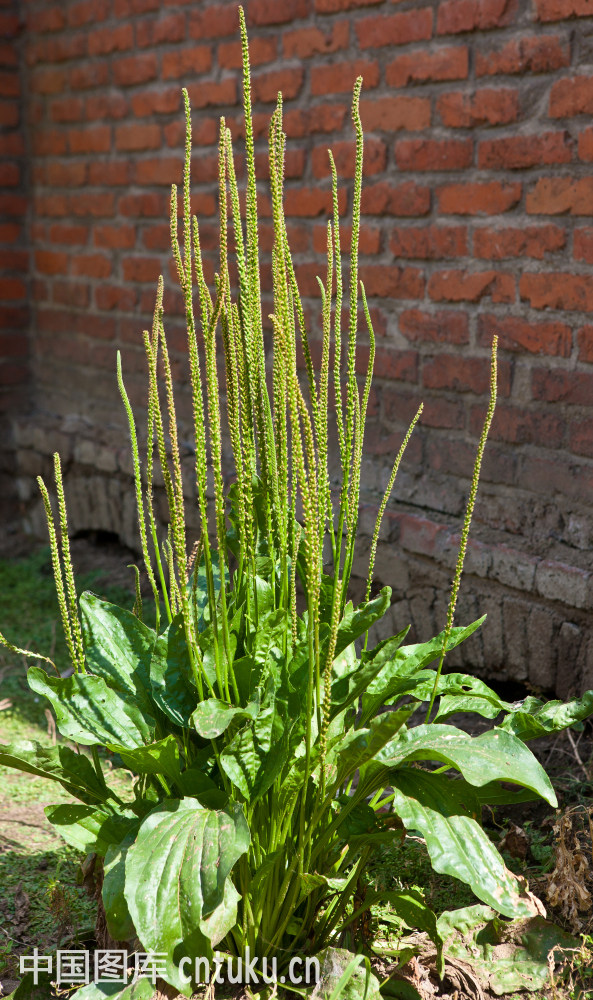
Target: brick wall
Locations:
point(14, 257)
point(477, 220)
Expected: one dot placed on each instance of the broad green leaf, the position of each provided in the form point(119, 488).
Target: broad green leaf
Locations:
point(171, 676)
point(88, 829)
point(534, 718)
point(364, 744)
point(347, 688)
point(176, 879)
point(198, 586)
point(249, 759)
point(402, 675)
point(72, 770)
point(90, 712)
point(118, 647)
point(197, 785)
point(345, 976)
point(457, 845)
point(161, 757)
point(506, 957)
point(142, 989)
point(212, 717)
point(492, 756)
point(119, 921)
point(357, 621)
point(27, 990)
point(462, 693)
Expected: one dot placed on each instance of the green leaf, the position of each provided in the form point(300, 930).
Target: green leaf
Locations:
point(507, 957)
point(462, 693)
point(357, 621)
point(140, 990)
point(212, 717)
point(72, 770)
point(347, 688)
point(534, 718)
point(358, 747)
point(444, 812)
point(343, 976)
point(119, 922)
point(161, 757)
point(176, 879)
point(409, 905)
point(90, 712)
point(88, 829)
point(492, 756)
point(26, 990)
point(118, 647)
point(171, 676)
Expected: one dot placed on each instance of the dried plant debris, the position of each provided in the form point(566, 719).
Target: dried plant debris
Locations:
point(570, 886)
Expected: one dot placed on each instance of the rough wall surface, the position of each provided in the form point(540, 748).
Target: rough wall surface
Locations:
point(476, 221)
point(14, 257)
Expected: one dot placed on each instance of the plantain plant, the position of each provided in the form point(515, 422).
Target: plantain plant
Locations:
point(252, 714)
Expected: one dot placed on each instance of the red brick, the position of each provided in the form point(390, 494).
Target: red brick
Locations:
point(110, 172)
point(12, 144)
point(205, 132)
point(558, 10)
point(443, 64)
point(159, 237)
point(369, 240)
point(9, 114)
point(338, 78)
point(90, 74)
point(132, 70)
point(407, 199)
point(90, 140)
point(389, 363)
point(104, 41)
point(50, 19)
point(186, 62)
point(14, 260)
point(522, 151)
point(125, 8)
point(163, 170)
point(485, 107)
point(519, 426)
point(10, 175)
point(48, 80)
point(302, 43)
point(106, 106)
point(64, 173)
point(114, 237)
point(311, 202)
point(375, 156)
point(557, 291)
point(569, 97)
point(73, 294)
point(389, 114)
point(215, 21)
point(51, 262)
point(586, 145)
point(437, 327)
point(203, 95)
point(69, 234)
point(456, 373)
point(287, 81)
point(535, 54)
point(583, 245)
point(44, 205)
point(461, 286)
point(561, 386)
point(558, 195)
point(479, 198)
point(48, 142)
point(429, 242)
point(10, 232)
point(299, 122)
point(337, 6)
point(581, 438)
point(527, 241)
point(9, 85)
point(87, 11)
point(91, 265)
point(585, 340)
point(262, 12)
point(516, 334)
point(394, 29)
point(137, 137)
point(8, 54)
point(148, 204)
point(67, 109)
point(141, 268)
point(261, 50)
point(97, 204)
point(159, 102)
point(388, 281)
point(455, 16)
point(157, 31)
point(109, 297)
point(433, 154)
